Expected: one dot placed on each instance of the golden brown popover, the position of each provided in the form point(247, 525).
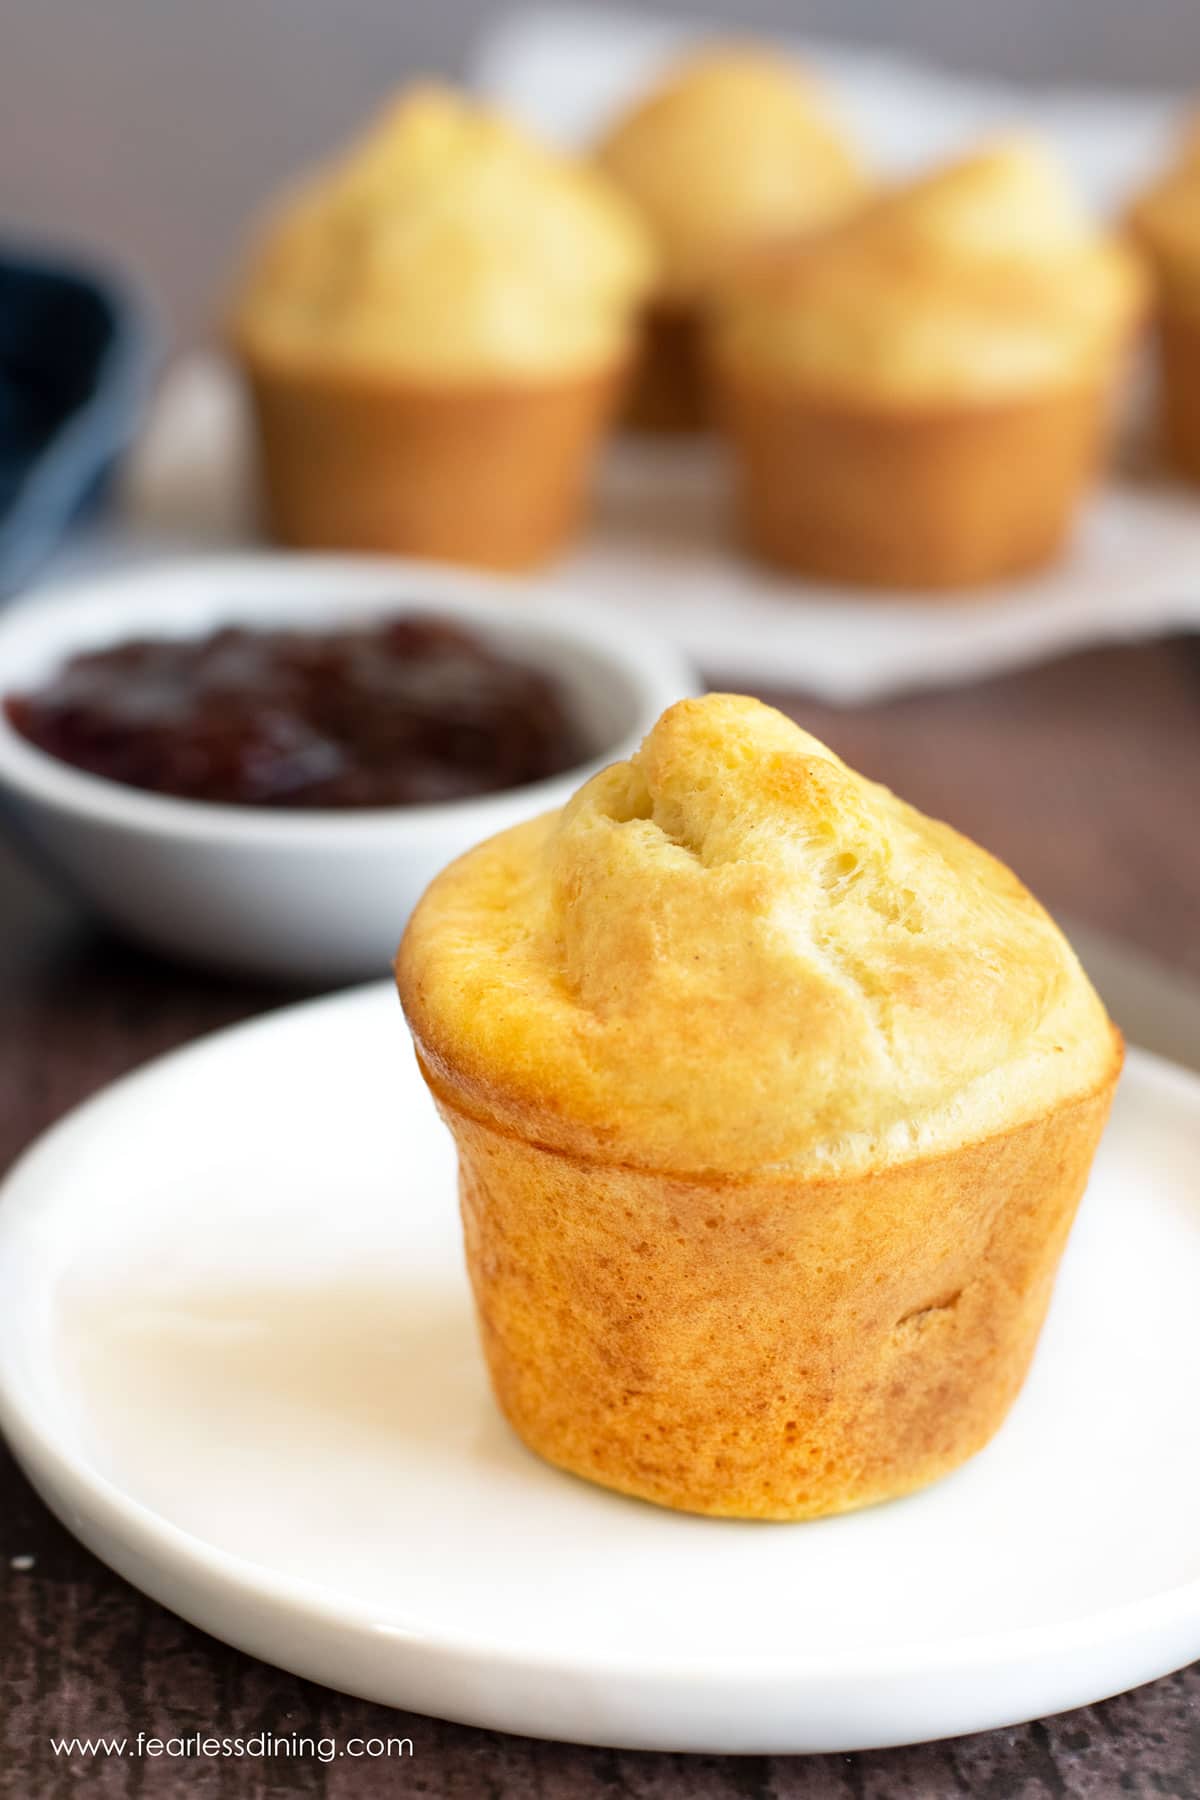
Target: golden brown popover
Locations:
point(919, 398)
point(435, 331)
point(734, 147)
point(774, 1101)
point(1166, 224)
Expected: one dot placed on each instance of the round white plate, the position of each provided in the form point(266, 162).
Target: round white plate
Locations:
point(237, 1358)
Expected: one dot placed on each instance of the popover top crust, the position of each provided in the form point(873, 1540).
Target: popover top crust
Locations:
point(733, 146)
point(731, 954)
point(447, 244)
point(983, 280)
point(1166, 222)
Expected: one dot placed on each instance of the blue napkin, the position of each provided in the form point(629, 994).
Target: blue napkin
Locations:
point(77, 355)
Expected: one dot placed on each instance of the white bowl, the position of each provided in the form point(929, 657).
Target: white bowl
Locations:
point(296, 895)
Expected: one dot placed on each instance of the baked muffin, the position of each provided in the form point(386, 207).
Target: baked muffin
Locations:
point(919, 398)
point(735, 146)
point(435, 331)
point(1166, 225)
point(774, 1101)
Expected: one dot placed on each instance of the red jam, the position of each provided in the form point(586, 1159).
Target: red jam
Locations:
point(398, 714)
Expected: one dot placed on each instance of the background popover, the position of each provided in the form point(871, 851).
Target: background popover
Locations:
point(919, 396)
point(1166, 224)
point(435, 331)
point(773, 1100)
point(734, 147)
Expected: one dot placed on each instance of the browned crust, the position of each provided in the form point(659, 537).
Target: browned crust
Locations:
point(495, 475)
point(781, 1349)
point(502, 1115)
point(668, 395)
point(1179, 390)
point(940, 499)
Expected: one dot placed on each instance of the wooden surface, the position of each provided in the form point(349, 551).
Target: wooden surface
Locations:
point(1083, 775)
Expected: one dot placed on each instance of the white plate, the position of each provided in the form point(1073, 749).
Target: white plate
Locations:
point(237, 1358)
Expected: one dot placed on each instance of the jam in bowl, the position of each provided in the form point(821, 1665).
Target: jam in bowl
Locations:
point(405, 711)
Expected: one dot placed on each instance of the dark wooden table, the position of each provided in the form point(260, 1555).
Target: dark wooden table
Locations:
point(1084, 775)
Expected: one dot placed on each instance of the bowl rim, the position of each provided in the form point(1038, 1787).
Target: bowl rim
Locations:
point(182, 596)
